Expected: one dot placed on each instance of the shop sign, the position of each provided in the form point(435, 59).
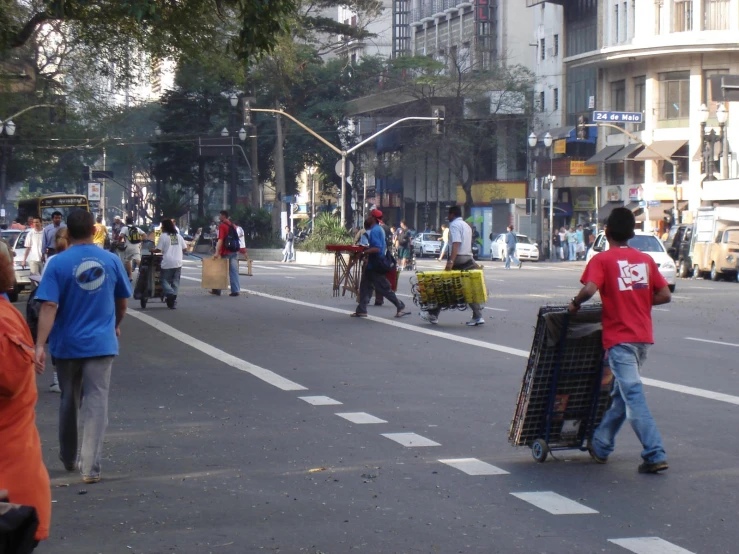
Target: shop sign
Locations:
point(613, 194)
point(634, 193)
point(560, 146)
point(578, 168)
point(583, 199)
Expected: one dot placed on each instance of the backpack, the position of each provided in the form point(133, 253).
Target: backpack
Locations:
point(135, 235)
point(232, 243)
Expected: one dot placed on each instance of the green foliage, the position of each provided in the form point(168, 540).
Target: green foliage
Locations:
point(328, 230)
point(256, 223)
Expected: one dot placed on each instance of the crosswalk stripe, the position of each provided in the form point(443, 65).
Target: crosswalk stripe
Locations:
point(554, 503)
point(320, 400)
point(360, 418)
point(649, 545)
point(411, 440)
point(473, 466)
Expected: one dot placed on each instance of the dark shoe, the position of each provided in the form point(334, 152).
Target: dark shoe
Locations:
point(355, 314)
point(68, 466)
point(217, 292)
point(91, 479)
point(597, 459)
point(235, 294)
point(378, 303)
point(656, 467)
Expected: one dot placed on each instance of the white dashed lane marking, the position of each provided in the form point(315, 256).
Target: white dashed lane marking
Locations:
point(713, 342)
point(554, 503)
point(320, 400)
point(259, 372)
point(410, 440)
point(473, 466)
point(361, 418)
point(649, 545)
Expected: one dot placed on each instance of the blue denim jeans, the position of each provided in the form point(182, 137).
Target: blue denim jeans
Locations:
point(170, 279)
point(629, 404)
point(233, 271)
point(511, 255)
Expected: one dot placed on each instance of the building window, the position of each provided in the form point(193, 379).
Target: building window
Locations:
point(556, 45)
point(618, 95)
point(625, 25)
point(674, 93)
point(640, 94)
point(581, 27)
point(556, 99)
point(580, 98)
point(707, 98)
point(542, 105)
point(716, 15)
point(658, 17)
point(542, 49)
point(682, 16)
point(617, 23)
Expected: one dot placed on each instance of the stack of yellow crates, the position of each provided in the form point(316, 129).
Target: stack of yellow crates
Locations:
point(449, 289)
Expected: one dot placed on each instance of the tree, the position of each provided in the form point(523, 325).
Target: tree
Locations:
point(484, 108)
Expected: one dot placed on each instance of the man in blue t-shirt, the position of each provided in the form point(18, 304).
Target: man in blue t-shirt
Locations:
point(84, 292)
point(373, 276)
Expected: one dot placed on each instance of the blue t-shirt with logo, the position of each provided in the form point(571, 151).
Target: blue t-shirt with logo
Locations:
point(376, 240)
point(84, 281)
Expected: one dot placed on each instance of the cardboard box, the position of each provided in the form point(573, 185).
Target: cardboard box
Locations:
point(215, 274)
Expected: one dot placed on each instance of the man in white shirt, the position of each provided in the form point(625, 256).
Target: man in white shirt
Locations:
point(460, 258)
point(34, 247)
point(172, 246)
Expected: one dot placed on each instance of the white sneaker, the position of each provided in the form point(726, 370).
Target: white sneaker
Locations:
point(54, 387)
point(432, 319)
point(474, 322)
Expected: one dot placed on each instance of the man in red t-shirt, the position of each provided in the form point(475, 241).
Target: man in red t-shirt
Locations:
point(222, 252)
point(630, 284)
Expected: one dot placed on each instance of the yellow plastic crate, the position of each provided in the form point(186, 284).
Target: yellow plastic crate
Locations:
point(450, 289)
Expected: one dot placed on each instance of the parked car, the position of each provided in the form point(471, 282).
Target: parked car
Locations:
point(715, 245)
point(17, 239)
point(526, 249)
point(678, 245)
point(427, 244)
point(647, 243)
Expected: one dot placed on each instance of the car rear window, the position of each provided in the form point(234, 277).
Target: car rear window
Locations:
point(431, 236)
point(646, 243)
point(523, 240)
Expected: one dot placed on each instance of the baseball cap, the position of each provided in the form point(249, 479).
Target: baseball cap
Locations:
point(377, 214)
point(117, 217)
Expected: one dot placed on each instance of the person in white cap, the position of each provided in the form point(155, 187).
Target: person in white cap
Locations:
point(116, 229)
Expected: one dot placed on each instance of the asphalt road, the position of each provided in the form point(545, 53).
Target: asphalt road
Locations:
point(215, 443)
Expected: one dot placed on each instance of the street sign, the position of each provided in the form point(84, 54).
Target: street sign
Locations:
point(654, 203)
point(287, 199)
point(618, 117)
point(93, 192)
point(642, 203)
point(349, 167)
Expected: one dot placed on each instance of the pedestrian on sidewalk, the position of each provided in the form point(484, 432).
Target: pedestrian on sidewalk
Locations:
point(579, 243)
point(404, 245)
point(557, 247)
point(444, 242)
point(510, 242)
point(34, 247)
point(115, 231)
point(173, 248)
point(460, 258)
point(84, 292)
point(373, 276)
point(22, 471)
point(630, 284)
point(571, 244)
point(288, 253)
point(50, 233)
point(228, 247)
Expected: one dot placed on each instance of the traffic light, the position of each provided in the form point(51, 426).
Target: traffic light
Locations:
point(582, 131)
point(439, 112)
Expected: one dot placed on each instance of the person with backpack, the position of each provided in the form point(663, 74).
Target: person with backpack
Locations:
point(228, 247)
point(288, 253)
point(129, 245)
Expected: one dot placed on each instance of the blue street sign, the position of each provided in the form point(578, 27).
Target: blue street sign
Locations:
point(287, 199)
point(618, 117)
point(642, 203)
point(653, 203)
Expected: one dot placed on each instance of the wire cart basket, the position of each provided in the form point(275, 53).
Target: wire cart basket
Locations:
point(567, 384)
point(148, 284)
point(448, 290)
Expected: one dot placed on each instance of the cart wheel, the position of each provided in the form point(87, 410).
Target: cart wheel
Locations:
point(143, 301)
point(539, 450)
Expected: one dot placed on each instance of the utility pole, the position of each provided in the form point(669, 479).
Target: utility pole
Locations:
point(279, 175)
point(256, 197)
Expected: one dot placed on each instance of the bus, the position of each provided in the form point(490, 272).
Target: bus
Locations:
point(44, 206)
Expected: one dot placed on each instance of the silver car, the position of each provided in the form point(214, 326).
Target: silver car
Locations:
point(17, 239)
point(427, 244)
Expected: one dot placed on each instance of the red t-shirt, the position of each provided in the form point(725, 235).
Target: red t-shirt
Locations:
point(222, 234)
point(627, 280)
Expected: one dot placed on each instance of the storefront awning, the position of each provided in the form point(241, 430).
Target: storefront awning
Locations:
point(666, 148)
point(698, 156)
point(562, 132)
point(627, 153)
point(603, 155)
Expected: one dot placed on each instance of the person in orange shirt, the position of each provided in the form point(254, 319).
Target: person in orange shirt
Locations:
point(22, 471)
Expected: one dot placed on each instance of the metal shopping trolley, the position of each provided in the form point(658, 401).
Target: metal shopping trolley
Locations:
point(567, 384)
point(148, 284)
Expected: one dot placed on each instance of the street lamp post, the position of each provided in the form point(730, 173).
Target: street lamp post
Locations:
point(709, 140)
point(532, 140)
point(9, 129)
point(233, 192)
point(548, 144)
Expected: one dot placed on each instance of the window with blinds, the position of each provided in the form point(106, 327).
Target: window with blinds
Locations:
point(716, 15)
point(682, 16)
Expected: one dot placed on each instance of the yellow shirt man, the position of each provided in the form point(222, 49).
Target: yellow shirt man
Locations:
point(101, 231)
